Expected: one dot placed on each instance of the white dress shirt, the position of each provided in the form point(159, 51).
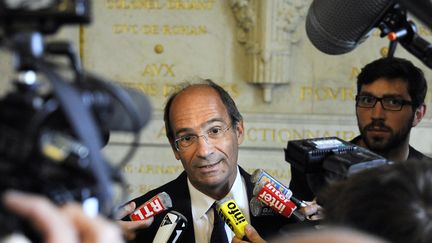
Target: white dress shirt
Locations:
point(202, 213)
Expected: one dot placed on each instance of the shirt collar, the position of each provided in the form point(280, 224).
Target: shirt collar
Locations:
point(201, 203)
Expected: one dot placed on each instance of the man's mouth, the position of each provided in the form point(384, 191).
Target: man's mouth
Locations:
point(381, 128)
point(373, 129)
point(209, 166)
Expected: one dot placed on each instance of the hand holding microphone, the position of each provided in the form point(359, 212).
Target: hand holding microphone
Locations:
point(154, 206)
point(68, 223)
point(143, 216)
point(233, 216)
point(130, 227)
point(277, 195)
point(251, 234)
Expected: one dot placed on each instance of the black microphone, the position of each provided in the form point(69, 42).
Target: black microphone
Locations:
point(338, 26)
point(117, 108)
point(171, 229)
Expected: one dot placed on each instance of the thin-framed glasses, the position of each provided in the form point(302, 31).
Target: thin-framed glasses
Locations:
point(210, 136)
point(387, 103)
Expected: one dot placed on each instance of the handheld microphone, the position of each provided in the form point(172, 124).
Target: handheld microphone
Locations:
point(171, 228)
point(339, 26)
point(259, 209)
point(127, 109)
point(270, 196)
point(232, 215)
point(260, 175)
point(155, 205)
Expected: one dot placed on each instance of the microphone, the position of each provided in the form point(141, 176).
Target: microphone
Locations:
point(261, 175)
point(259, 209)
point(171, 228)
point(117, 108)
point(338, 26)
point(232, 215)
point(155, 205)
point(270, 196)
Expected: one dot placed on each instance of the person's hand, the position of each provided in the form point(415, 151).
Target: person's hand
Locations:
point(312, 211)
point(66, 224)
point(251, 234)
point(129, 227)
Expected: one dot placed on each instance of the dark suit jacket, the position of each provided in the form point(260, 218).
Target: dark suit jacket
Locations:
point(179, 193)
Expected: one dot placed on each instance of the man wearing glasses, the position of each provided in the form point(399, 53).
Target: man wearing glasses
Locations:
point(205, 130)
point(389, 102)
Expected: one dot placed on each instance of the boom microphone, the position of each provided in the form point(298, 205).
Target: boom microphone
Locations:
point(171, 228)
point(339, 26)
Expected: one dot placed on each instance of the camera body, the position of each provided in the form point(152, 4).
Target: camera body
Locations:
point(51, 132)
point(321, 161)
point(42, 16)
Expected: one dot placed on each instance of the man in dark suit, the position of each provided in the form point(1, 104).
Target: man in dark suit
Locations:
point(205, 130)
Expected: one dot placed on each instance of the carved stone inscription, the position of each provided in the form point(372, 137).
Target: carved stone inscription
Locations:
point(154, 44)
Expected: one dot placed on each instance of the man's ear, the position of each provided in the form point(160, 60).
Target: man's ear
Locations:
point(419, 114)
point(239, 132)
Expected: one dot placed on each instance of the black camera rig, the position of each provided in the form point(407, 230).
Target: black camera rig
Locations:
point(52, 123)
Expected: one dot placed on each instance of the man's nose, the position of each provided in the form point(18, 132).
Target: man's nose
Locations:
point(204, 146)
point(378, 111)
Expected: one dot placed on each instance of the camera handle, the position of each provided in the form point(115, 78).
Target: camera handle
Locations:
point(29, 52)
point(84, 126)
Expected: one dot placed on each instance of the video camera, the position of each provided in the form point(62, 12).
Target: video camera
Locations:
point(52, 123)
point(320, 161)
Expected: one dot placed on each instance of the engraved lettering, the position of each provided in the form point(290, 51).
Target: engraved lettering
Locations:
point(326, 93)
point(283, 135)
point(190, 5)
point(184, 30)
point(158, 70)
point(133, 4)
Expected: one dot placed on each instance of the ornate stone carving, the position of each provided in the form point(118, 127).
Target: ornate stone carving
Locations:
point(269, 29)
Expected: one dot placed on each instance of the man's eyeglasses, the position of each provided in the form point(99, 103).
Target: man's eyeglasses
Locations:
point(213, 134)
point(387, 103)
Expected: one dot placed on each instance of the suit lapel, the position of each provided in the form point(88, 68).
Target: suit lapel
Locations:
point(182, 204)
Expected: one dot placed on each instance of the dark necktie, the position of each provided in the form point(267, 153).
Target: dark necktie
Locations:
point(218, 234)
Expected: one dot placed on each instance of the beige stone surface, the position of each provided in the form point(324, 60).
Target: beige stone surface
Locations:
point(153, 45)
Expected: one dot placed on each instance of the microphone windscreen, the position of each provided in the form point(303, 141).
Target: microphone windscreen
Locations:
point(339, 26)
point(171, 228)
point(233, 216)
point(129, 110)
point(120, 121)
point(152, 207)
